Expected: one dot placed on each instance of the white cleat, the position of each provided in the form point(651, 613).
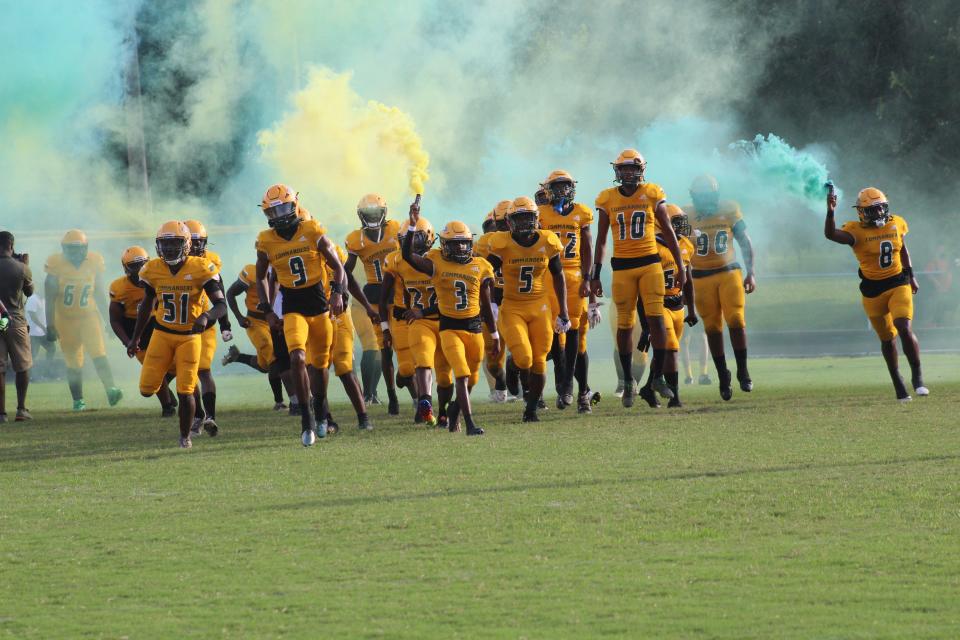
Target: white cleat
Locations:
point(210, 427)
point(307, 438)
point(904, 400)
point(922, 391)
point(498, 396)
point(197, 427)
point(185, 443)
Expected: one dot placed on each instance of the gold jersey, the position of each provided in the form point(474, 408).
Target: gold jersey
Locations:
point(482, 249)
point(248, 276)
point(632, 219)
point(524, 268)
point(878, 248)
point(458, 285)
point(714, 235)
point(297, 261)
point(127, 295)
point(180, 295)
point(75, 284)
point(327, 271)
point(411, 289)
point(372, 254)
point(670, 265)
point(213, 257)
point(567, 227)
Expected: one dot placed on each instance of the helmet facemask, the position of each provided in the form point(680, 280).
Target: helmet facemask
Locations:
point(629, 174)
point(132, 268)
point(489, 225)
point(523, 224)
point(173, 249)
point(876, 215)
point(561, 193)
point(198, 246)
point(705, 202)
point(541, 197)
point(420, 244)
point(282, 216)
point(457, 250)
point(372, 217)
point(75, 253)
point(681, 225)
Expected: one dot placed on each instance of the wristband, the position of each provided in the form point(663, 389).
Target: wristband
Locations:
point(336, 288)
point(908, 271)
point(385, 326)
point(495, 335)
point(596, 271)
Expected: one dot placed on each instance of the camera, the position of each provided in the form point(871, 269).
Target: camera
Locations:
point(22, 257)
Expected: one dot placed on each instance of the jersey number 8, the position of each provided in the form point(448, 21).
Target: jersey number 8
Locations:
point(886, 254)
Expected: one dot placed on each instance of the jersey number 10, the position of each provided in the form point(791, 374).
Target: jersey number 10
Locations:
point(638, 220)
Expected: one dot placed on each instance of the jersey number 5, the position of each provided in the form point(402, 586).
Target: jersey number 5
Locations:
point(298, 270)
point(526, 279)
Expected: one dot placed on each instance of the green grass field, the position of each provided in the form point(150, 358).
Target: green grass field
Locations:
point(816, 507)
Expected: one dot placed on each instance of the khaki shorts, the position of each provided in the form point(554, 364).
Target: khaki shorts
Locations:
point(15, 341)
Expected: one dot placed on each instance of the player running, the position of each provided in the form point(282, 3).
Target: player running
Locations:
point(297, 250)
point(495, 365)
point(462, 282)
point(207, 409)
point(175, 287)
point(523, 255)
point(673, 303)
point(126, 293)
point(371, 244)
point(419, 316)
point(571, 221)
point(629, 211)
point(719, 282)
point(887, 283)
point(258, 332)
point(75, 306)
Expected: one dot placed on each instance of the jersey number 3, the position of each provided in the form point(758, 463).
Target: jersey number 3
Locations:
point(460, 290)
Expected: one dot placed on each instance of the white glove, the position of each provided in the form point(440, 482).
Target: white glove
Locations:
point(226, 335)
point(593, 315)
point(561, 325)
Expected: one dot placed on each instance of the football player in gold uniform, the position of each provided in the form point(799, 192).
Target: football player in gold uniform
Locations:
point(258, 332)
point(495, 365)
point(177, 287)
point(74, 293)
point(462, 282)
point(371, 244)
point(523, 255)
point(207, 407)
point(629, 211)
point(126, 293)
point(300, 253)
point(887, 282)
point(718, 279)
point(673, 303)
point(571, 221)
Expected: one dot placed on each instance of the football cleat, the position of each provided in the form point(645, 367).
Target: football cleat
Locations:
point(364, 424)
point(233, 354)
point(595, 397)
point(279, 406)
point(530, 416)
point(619, 391)
point(500, 396)
point(904, 399)
point(629, 390)
point(332, 427)
point(541, 405)
point(746, 384)
point(308, 437)
point(425, 413)
point(114, 395)
point(393, 407)
point(922, 391)
point(660, 386)
point(646, 393)
point(294, 409)
point(322, 429)
point(197, 427)
point(24, 415)
point(725, 391)
point(79, 405)
point(168, 411)
point(186, 443)
point(474, 431)
point(453, 417)
point(210, 427)
point(674, 403)
point(704, 379)
point(584, 400)
point(443, 422)
point(688, 380)
point(564, 400)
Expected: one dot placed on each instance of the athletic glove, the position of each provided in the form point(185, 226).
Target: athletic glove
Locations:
point(593, 315)
point(227, 335)
point(644, 343)
point(561, 325)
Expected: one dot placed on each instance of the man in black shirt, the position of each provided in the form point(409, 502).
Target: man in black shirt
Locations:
point(16, 285)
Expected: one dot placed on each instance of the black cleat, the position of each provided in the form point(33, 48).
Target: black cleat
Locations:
point(541, 405)
point(474, 431)
point(443, 422)
point(660, 386)
point(393, 407)
point(530, 416)
point(746, 384)
point(674, 403)
point(647, 393)
point(453, 417)
point(513, 379)
point(169, 411)
point(364, 424)
point(725, 391)
point(294, 409)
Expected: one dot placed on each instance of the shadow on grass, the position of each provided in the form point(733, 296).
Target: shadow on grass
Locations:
point(597, 482)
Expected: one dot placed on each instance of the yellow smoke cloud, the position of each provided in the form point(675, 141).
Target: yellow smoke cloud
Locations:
point(334, 147)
